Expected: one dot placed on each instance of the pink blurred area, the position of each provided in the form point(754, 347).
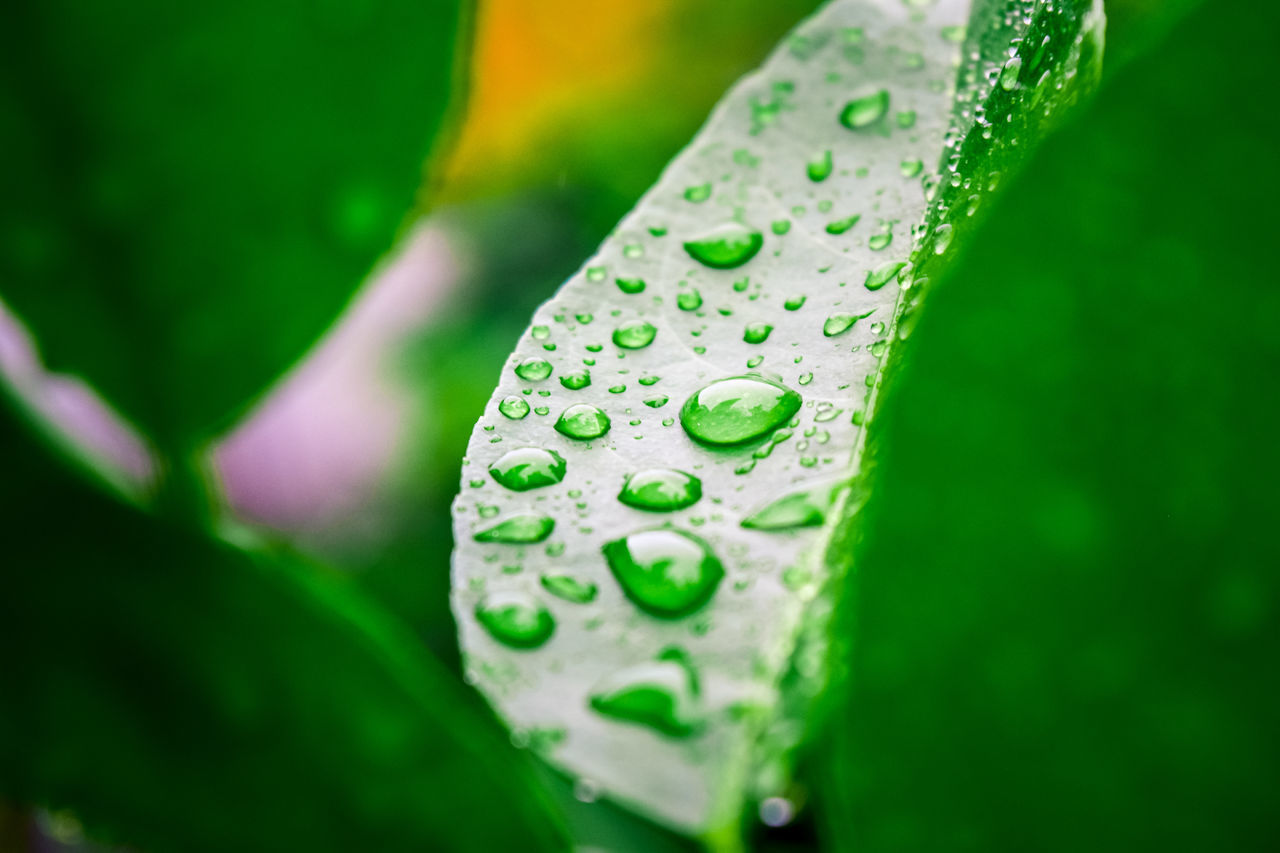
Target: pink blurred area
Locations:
point(315, 452)
point(74, 411)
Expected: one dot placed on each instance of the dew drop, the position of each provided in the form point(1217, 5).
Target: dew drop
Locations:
point(513, 407)
point(757, 333)
point(528, 468)
point(819, 166)
point(659, 695)
point(861, 113)
point(794, 303)
point(661, 490)
point(582, 422)
point(533, 369)
point(631, 285)
point(911, 168)
point(880, 241)
point(805, 507)
point(665, 572)
point(577, 380)
point(1009, 73)
point(737, 410)
point(781, 226)
point(689, 300)
point(840, 226)
point(881, 275)
point(569, 588)
point(725, 246)
point(634, 334)
point(515, 619)
point(698, 194)
point(520, 529)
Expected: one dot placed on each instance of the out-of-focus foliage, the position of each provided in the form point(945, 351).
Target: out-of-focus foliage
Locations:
point(182, 695)
point(1062, 617)
point(192, 191)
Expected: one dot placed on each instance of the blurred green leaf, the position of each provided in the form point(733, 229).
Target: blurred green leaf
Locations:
point(644, 503)
point(182, 695)
point(193, 190)
point(1063, 620)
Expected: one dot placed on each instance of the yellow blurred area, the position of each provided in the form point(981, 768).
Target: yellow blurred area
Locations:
point(564, 89)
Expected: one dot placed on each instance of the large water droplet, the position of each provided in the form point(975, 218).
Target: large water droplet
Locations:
point(520, 529)
point(515, 619)
point(513, 407)
point(661, 490)
point(582, 422)
point(736, 410)
point(665, 572)
point(528, 468)
point(533, 369)
point(634, 334)
point(659, 695)
point(569, 588)
point(865, 111)
point(806, 507)
point(725, 246)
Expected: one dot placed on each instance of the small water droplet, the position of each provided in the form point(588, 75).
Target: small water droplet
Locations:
point(582, 422)
point(881, 275)
point(805, 378)
point(781, 226)
point(634, 334)
point(840, 226)
point(533, 369)
point(661, 490)
point(942, 239)
point(737, 410)
point(646, 381)
point(755, 361)
point(806, 507)
point(631, 285)
point(521, 528)
point(1009, 73)
point(757, 333)
point(569, 588)
point(689, 300)
point(911, 168)
point(657, 402)
point(513, 407)
point(725, 246)
point(880, 241)
point(794, 303)
point(577, 380)
point(863, 112)
point(528, 468)
point(515, 619)
point(596, 274)
point(819, 166)
point(665, 572)
point(838, 324)
point(698, 194)
point(658, 695)
point(632, 250)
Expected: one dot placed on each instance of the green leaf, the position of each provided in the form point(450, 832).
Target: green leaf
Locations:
point(688, 409)
point(1063, 621)
point(194, 190)
point(178, 694)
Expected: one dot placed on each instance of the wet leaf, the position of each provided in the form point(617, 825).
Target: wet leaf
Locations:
point(727, 370)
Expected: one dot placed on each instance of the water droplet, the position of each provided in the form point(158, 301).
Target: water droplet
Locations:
point(794, 303)
point(776, 811)
point(533, 369)
point(819, 166)
point(781, 226)
point(955, 33)
point(838, 324)
point(569, 588)
point(657, 402)
point(658, 230)
point(757, 333)
point(646, 381)
point(863, 112)
point(880, 241)
point(725, 246)
point(689, 300)
point(583, 422)
point(596, 273)
point(541, 410)
point(842, 225)
point(911, 168)
point(737, 410)
point(519, 529)
point(881, 275)
point(577, 380)
point(513, 407)
point(632, 250)
point(665, 572)
point(755, 361)
point(631, 285)
point(942, 239)
point(805, 507)
point(528, 468)
point(634, 334)
point(698, 194)
point(658, 695)
point(514, 619)
point(661, 490)
point(617, 389)
point(805, 378)
point(1009, 74)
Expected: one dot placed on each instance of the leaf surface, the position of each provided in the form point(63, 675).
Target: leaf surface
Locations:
point(688, 410)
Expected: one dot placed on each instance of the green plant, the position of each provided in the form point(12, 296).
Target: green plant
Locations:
point(935, 508)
